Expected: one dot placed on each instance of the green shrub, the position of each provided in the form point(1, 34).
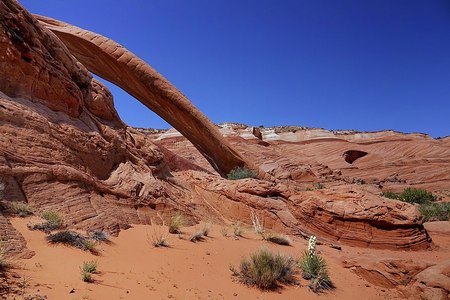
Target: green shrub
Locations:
point(278, 239)
point(314, 267)
point(86, 276)
point(411, 195)
point(419, 196)
point(176, 222)
point(265, 270)
point(52, 219)
point(99, 236)
point(73, 239)
point(319, 186)
point(241, 173)
point(435, 211)
point(90, 266)
point(22, 209)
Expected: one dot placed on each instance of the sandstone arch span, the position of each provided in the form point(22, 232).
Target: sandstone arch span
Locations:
point(115, 63)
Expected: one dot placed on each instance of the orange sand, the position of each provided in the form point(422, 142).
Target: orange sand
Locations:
point(130, 268)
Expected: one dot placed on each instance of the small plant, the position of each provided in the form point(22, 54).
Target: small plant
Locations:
point(176, 222)
point(90, 266)
point(22, 209)
point(206, 228)
point(224, 231)
point(86, 276)
point(435, 211)
point(241, 173)
point(265, 270)
point(314, 268)
point(238, 230)
point(257, 226)
point(411, 195)
point(279, 239)
point(99, 236)
point(73, 239)
point(52, 222)
point(158, 237)
point(196, 236)
point(319, 186)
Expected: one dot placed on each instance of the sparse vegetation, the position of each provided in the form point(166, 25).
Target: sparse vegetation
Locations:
point(238, 230)
point(411, 195)
point(265, 270)
point(73, 239)
point(86, 277)
point(206, 228)
point(90, 266)
point(241, 173)
point(224, 231)
point(158, 237)
point(257, 226)
point(314, 268)
point(176, 222)
point(196, 236)
point(278, 239)
point(22, 209)
point(435, 211)
point(319, 186)
point(52, 222)
point(99, 236)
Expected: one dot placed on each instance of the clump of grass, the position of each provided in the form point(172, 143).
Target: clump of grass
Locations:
point(319, 186)
point(22, 209)
point(238, 230)
point(224, 231)
point(411, 195)
point(176, 222)
point(315, 268)
point(99, 236)
point(435, 211)
point(241, 173)
point(265, 270)
point(196, 236)
point(206, 228)
point(257, 226)
point(278, 239)
point(73, 239)
point(158, 237)
point(90, 266)
point(4, 261)
point(52, 222)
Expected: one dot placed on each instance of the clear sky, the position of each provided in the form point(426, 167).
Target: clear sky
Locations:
point(336, 64)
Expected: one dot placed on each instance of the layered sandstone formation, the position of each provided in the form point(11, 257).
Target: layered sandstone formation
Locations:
point(64, 148)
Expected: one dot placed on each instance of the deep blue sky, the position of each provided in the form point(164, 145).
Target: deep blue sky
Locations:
point(337, 64)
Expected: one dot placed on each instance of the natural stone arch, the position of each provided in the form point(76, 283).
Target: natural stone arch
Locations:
point(113, 62)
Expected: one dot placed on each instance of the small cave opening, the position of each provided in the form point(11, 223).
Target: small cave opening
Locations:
point(351, 156)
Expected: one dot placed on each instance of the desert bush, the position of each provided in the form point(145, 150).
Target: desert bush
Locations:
point(206, 228)
point(319, 186)
point(257, 226)
point(22, 209)
point(278, 239)
point(265, 270)
point(158, 237)
point(73, 239)
point(52, 222)
point(435, 211)
point(238, 230)
point(241, 173)
point(99, 236)
point(86, 277)
point(315, 268)
point(411, 195)
point(176, 222)
point(196, 236)
point(90, 266)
